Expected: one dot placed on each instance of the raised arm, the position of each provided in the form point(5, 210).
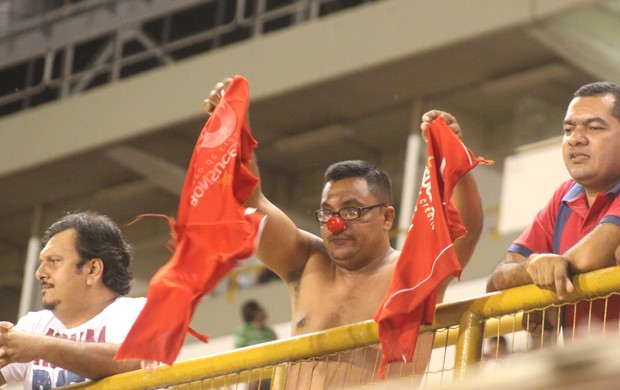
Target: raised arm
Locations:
point(283, 247)
point(467, 200)
point(466, 196)
point(88, 359)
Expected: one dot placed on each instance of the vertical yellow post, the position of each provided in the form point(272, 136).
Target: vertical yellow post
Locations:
point(468, 345)
point(278, 380)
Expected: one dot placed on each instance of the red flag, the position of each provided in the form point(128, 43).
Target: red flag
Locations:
point(212, 233)
point(427, 257)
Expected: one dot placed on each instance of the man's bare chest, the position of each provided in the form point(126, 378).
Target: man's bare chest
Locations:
point(323, 303)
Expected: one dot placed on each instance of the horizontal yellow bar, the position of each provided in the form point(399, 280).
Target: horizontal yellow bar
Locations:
point(598, 283)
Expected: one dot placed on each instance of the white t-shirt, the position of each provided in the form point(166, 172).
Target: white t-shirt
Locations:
point(110, 326)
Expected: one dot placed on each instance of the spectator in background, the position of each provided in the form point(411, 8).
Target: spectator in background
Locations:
point(497, 347)
point(254, 330)
point(496, 352)
point(84, 275)
point(579, 229)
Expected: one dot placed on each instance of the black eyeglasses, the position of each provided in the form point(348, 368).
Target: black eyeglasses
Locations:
point(347, 213)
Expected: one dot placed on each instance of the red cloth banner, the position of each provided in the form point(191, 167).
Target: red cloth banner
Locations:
point(427, 257)
point(213, 231)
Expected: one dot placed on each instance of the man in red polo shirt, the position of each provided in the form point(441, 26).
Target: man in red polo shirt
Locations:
point(579, 229)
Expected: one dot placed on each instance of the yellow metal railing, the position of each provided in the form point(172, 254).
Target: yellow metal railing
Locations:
point(462, 325)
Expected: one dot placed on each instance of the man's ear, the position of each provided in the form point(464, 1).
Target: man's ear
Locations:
point(94, 270)
point(389, 214)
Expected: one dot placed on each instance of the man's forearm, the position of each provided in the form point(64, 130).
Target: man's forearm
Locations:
point(595, 250)
point(255, 197)
point(467, 200)
point(88, 359)
point(508, 275)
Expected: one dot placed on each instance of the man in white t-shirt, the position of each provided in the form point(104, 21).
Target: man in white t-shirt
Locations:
point(84, 276)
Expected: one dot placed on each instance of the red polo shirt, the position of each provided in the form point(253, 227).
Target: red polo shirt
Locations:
point(539, 238)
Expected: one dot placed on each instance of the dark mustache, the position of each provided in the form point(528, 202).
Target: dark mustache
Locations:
point(340, 236)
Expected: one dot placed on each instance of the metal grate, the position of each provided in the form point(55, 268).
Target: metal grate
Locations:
point(54, 53)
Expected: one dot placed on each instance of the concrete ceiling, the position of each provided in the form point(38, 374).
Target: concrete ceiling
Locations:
point(492, 81)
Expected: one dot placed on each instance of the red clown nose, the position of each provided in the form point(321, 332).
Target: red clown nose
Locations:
point(335, 224)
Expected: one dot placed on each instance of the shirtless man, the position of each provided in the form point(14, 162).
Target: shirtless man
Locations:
point(341, 277)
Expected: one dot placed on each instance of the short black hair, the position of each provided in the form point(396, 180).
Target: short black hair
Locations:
point(249, 310)
point(98, 237)
point(600, 88)
point(378, 180)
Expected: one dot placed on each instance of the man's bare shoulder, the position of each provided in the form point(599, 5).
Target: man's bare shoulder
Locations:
point(312, 252)
point(317, 254)
point(387, 264)
point(393, 259)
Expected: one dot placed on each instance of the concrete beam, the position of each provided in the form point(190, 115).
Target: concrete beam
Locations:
point(365, 37)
